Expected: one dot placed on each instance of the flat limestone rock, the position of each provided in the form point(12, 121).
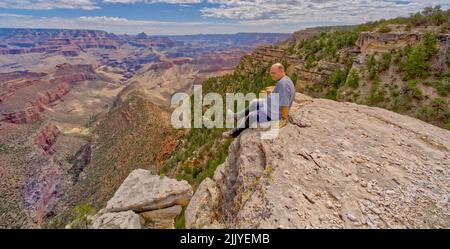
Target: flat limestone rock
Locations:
point(161, 218)
point(141, 191)
point(120, 220)
point(170, 212)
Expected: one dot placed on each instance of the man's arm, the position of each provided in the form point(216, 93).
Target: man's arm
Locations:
point(284, 92)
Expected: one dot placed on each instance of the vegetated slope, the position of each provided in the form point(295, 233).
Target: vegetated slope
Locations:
point(400, 64)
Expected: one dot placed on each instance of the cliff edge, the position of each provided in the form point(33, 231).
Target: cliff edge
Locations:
point(335, 165)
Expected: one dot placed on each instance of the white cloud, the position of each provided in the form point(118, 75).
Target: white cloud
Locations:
point(79, 4)
point(314, 11)
point(49, 4)
point(224, 16)
point(119, 25)
point(263, 11)
point(154, 1)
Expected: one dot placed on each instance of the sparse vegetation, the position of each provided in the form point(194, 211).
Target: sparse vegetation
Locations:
point(429, 16)
point(416, 64)
point(384, 28)
point(81, 213)
point(325, 46)
point(180, 222)
point(385, 62)
point(353, 79)
point(403, 68)
point(335, 81)
point(442, 86)
point(376, 94)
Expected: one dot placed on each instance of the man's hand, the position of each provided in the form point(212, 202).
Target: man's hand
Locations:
point(282, 123)
point(284, 116)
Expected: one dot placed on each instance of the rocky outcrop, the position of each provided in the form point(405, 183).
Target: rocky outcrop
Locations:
point(398, 37)
point(28, 115)
point(202, 209)
point(267, 54)
point(142, 191)
point(370, 42)
point(335, 165)
point(31, 113)
point(65, 42)
point(14, 81)
point(24, 100)
point(319, 73)
point(46, 136)
point(46, 176)
point(156, 200)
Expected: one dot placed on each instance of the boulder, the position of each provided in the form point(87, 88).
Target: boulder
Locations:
point(120, 220)
point(141, 191)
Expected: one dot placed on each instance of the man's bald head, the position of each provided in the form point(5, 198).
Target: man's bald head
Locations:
point(278, 66)
point(277, 71)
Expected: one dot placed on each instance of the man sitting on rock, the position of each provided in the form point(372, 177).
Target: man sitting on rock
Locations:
point(260, 110)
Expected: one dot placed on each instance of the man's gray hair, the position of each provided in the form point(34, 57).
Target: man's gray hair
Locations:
point(279, 66)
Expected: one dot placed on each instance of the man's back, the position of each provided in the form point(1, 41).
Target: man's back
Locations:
point(286, 93)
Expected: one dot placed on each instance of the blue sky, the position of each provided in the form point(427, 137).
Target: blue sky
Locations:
point(200, 16)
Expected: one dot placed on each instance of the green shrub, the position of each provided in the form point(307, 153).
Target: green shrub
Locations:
point(385, 62)
point(412, 90)
point(429, 16)
point(447, 126)
point(376, 94)
point(337, 78)
point(311, 61)
point(440, 105)
point(425, 113)
point(395, 93)
point(332, 94)
point(429, 41)
point(443, 28)
point(180, 221)
point(441, 86)
point(294, 78)
point(416, 64)
point(80, 214)
point(353, 79)
point(408, 28)
point(385, 29)
point(371, 63)
point(437, 112)
point(418, 19)
point(435, 15)
point(372, 68)
point(325, 45)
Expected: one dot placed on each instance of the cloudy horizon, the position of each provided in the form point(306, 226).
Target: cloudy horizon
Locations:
point(177, 17)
